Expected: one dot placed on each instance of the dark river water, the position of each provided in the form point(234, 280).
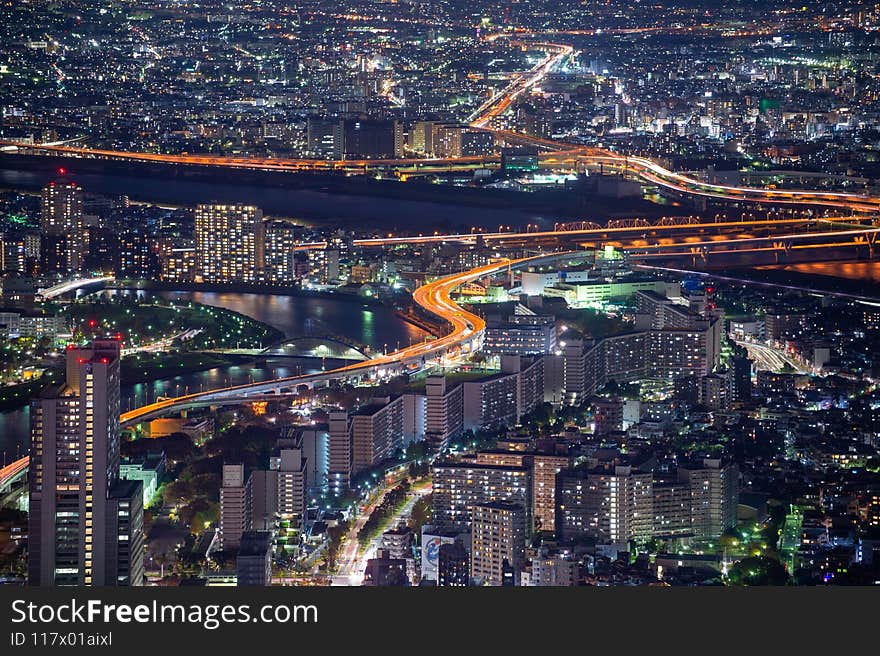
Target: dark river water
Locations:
point(868, 270)
point(306, 204)
point(296, 316)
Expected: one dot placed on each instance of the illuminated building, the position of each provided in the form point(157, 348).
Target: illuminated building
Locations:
point(498, 538)
point(459, 486)
point(421, 137)
point(553, 570)
point(370, 435)
point(325, 138)
point(490, 402)
point(229, 243)
point(714, 487)
point(612, 505)
point(85, 524)
point(444, 409)
point(61, 222)
point(180, 262)
point(61, 208)
point(398, 542)
point(278, 257)
point(372, 139)
point(339, 453)
point(289, 465)
point(137, 260)
point(666, 353)
point(619, 504)
point(545, 467)
point(521, 335)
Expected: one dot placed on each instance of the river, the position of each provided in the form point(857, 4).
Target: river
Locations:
point(296, 316)
point(307, 205)
point(867, 270)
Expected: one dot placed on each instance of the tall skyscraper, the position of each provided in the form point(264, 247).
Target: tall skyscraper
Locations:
point(230, 242)
point(61, 223)
point(85, 525)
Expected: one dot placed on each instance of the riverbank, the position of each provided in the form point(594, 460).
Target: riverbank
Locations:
point(327, 197)
point(294, 291)
point(244, 288)
point(147, 367)
point(16, 396)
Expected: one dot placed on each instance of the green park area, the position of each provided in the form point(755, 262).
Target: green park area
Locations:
point(190, 326)
point(162, 340)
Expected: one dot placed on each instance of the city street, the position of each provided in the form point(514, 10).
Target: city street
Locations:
point(768, 358)
point(354, 559)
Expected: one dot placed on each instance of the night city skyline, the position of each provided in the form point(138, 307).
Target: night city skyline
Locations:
point(425, 293)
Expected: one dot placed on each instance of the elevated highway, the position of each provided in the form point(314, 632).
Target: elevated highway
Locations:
point(13, 472)
point(587, 232)
point(465, 336)
point(718, 250)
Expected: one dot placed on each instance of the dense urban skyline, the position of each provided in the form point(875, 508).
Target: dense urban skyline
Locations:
point(439, 293)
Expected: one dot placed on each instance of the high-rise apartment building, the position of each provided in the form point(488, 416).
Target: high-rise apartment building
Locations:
point(545, 467)
point(179, 263)
point(234, 511)
point(498, 541)
point(492, 401)
point(137, 259)
point(61, 208)
point(614, 505)
point(290, 464)
point(620, 504)
point(521, 335)
point(376, 432)
point(339, 453)
point(278, 258)
point(714, 494)
point(458, 486)
point(444, 409)
point(61, 224)
point(230, 242)
point(85, 525)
